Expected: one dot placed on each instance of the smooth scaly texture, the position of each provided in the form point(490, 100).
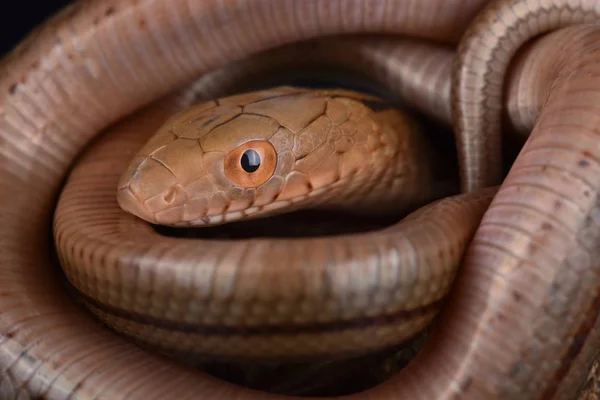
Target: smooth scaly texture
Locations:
point(38, 320)
point(411, 71)
point(414, 71)
point(265, 298)
point(484, 54)
point(535, 255)
point(95, 63)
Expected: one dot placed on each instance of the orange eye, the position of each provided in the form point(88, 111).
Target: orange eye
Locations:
point(251, 164)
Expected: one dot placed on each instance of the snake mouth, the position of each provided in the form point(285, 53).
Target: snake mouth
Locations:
point(185, 214)
point(130, 203)
point(223, 218)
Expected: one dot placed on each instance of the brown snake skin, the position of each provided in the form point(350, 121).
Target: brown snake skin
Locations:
point(232, 299)
point(521, 322)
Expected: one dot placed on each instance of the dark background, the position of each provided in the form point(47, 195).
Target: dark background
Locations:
point(22, 16)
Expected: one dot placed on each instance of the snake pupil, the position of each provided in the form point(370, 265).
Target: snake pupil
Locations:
point(250, 161)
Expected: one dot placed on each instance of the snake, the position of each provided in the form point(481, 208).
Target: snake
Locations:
point(521, 319)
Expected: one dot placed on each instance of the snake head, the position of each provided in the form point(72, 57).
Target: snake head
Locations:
point(252, 155)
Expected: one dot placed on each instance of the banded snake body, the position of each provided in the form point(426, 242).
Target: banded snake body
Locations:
point(521, 321)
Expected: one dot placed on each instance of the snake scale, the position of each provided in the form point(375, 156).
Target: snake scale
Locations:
point(521, 321)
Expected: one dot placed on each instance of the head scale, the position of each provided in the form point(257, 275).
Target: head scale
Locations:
point(248, 156)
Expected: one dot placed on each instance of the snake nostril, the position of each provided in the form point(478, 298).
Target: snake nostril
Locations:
point(173, 194)
point(170, 195)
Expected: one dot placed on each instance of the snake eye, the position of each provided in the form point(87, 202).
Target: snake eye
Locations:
point(250, 160)
point(251, 164)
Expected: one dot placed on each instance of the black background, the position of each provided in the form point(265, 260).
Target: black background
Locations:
point(21, 17)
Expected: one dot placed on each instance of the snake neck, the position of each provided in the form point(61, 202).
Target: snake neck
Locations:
point(405, 172)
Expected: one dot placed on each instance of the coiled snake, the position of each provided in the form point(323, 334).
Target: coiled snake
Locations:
point(521, 321)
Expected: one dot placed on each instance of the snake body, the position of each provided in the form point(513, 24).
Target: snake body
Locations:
point(264, 298)
point(522, 318)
